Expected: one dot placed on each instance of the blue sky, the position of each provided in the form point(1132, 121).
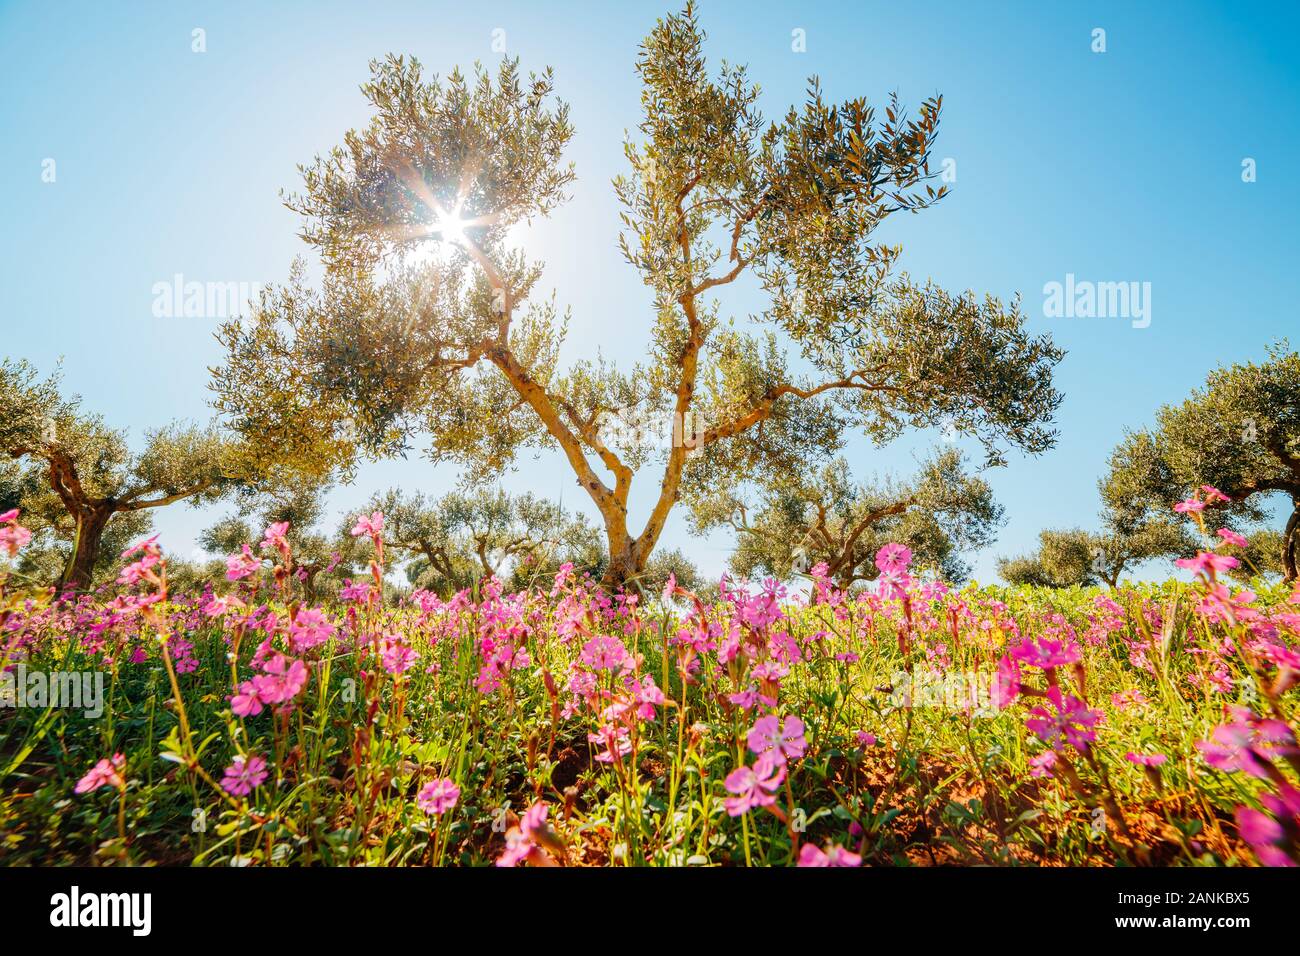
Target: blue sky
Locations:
point(1117, 166)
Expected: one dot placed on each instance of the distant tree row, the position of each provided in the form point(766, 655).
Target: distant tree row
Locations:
point(86, 495)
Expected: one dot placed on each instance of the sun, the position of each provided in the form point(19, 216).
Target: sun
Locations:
point(449, 226)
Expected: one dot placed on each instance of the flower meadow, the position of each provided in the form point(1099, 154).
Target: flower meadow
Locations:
point(907, 723)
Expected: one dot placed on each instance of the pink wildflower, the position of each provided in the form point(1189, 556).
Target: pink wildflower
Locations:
point(438, 796)
point(605, 654)
point(1231, 537)
point(893, 559)
point(1041, 766)
point(13, 536)
point(782, 740)
point(274, 538)
point(239, 566)
point(1145, 760)
point(753, 787)
point(244, 775)
point(371, 526)
point(834, 855)
point(106, 773)
point(1070, 722)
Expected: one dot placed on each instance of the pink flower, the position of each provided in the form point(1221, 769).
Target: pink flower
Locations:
point(646, 694)
point(1272, 838)
point(1006, 683)
point(149, 546)
point(245, 702)
point(281, 681)
point(371, 526)
point(12, 535)
point(893, 585)
point(106, 773)
point(274, 537)
point(438, 796)
point(835, 855)
point(523, 842)
point(1041, 766)
point(1072, 722)
point(753, 787)
point(1231, 537)
point(1047, 653)
point(781, 741)
point(221, 605)
point(616, 739)
point(244, 775)
point(310, 628)
point(865, 739)
point(239, 566)
point(1190, 506)
point(141, 570)
point(605, 654)
point(396, 655)
point(1256, 827)
point(1145, 760)
point(1213, 495)
point(1208, 563)
point(1126, 698)
point(355, 592)
point(1247, 743)
point(893, 559)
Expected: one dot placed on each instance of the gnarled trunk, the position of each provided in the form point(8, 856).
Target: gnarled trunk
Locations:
point(627, 558)
point(1291, 544)
point(80, 570)
point(309, 590)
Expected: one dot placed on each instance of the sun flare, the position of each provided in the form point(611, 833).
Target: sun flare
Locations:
point(449, 226)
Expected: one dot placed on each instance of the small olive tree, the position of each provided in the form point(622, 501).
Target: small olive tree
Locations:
point(92, 472)
point(452, 541)
point(1072, 556)
point(1239, 433)
point(789, 520)
point(320, 555)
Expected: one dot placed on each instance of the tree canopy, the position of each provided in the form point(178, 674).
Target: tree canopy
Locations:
point(458, 348)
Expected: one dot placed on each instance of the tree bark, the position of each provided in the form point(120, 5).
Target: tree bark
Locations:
point(627, 557)
point(80, 570)
point(309, 583)
point(1291, 544)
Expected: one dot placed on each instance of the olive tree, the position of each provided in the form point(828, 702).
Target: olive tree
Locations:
point(1240, 433)
point(1261, 555)
point(25, 485)
point(790, 519)
point(456, 345)
point(1076, 557)
point(318, 554)
point(1064, 558)
point(462, 536)
point(92, 471)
